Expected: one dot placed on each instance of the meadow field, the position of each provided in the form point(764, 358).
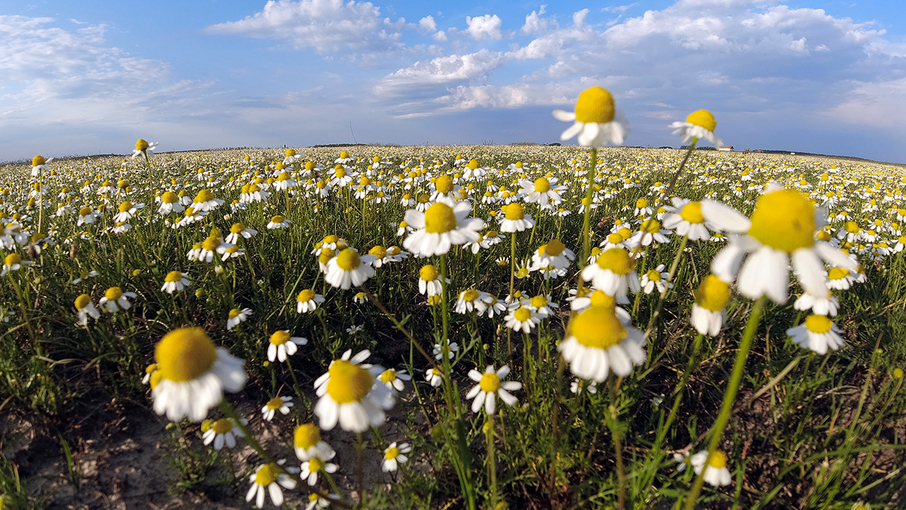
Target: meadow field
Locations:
point(521, 327)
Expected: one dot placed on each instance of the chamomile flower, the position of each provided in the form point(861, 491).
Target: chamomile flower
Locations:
point(269, 478)
point(429, 281)
point(351, 395)
point(817, 333)
point(86, 309)
point(700, 125)
point(143, 148)
point(716, 472)
point(655, 279)
point(613, 272)
point(708, 311)
point(599, 342)
point(275, 405)
point(490, 384)
point(278, 222)
point(444, 224)
point(469, 300)
point(522, 319)
point(595, 120)
point(169, 203)
point(223, 432)
point(239, 230)
point(820, 305)
point(283, 345)
point(315, 465)
point(308, 301)
point(175, 281)
point(449, 350)
point(515, 219)
point(393, 379)
point(193, 374)
point(577, 386)
point(308, 444)
point(695, 218)
point(542, 191)
point(127, 210)
point(553, 254)
point(434, 377)
point(236, 316)
point(14, 262)
point(115, 299)
point(394, 455)
point(348, 268)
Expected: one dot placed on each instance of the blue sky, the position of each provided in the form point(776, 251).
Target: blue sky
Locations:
point(91, 77)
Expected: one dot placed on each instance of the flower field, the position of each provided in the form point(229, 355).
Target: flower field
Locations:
point(481, 326)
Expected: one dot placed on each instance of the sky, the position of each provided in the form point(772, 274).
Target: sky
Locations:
point(81, 78)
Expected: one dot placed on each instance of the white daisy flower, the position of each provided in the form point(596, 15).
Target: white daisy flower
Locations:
point(613, 272)
point(599, 342)
point(269, 478)
point(489, 384)
point(348, 268)
point(819, 305)
point(393, 379)
point(429, 281)
point(515, 219)
point(817, 333)
point(308, 301)
point(175, 281)
point(236, 316)
point(394, 455)
point(699, 124)
point(522, 319)
point(283, 345)
point(434, 377)
point(449, 350)
point(115, 299)
point(223, 432)
point(315, 465)
point(655, 279)
point(595, 120)
point(86, 308)
point(308, 444)
point(695, 218)
point(351, 394)
point(444, 224)
point(708, 311)
point(716, 473)
point(274, 405)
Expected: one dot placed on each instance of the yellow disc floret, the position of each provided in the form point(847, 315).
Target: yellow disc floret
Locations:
point(598, 327)
point(428, 273)
point(444, 184)
point(712, 294)
point(349, 260)
point(185, 354)
point(818, 324)
point(489, 382)
point(307, 435)
point(266, 475)
point(514, 211)
point(279, 337)
point(348, 382)
point(718, 460)
point(702, 118)
point(440, 218)
point(692, 212)
point(82, 301)
point(542, 185)
point(616, 260)
point(595, 105)
point(784, 220)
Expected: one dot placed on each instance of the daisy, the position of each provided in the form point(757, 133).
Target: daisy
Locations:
point(352, 330)
point(394, 379)
point(223, 432)
point(649, 232)
point(820, 305)
point(444, 224)
point(205, 201)
point(839, 279)
point(308, 301)
point(716, 473)
point(236, 316)
point(175, 281)
point(817, 333)
point(655, 278)
point(783, 228)
point(429, 282)
point(469, 300)
point(708, 314)
point(553, 254)
point(695, 218)
point(542, 191)
point(282, 345)
point(13, 262)
point(169, 203)
point(39, 165)
point(493, 306)
point(515, 218)
point(143, 148)
point(522, 319)
point(269, 478)
point(193, 374)
point(449, 350)
point(281, 404)
point(308, 444)
point(351, 395)
point(86, 308)
point(315, 465)
point(613, 272)
point(434, 377)
point(348, 269)
point(394, 455)
point(489, 384)
point(577, 386)
point(595, 118)
point(210, 246)
point(126, 211)
point(699, 125)
point(237, 230)
point(278, 222)
point(115, 298)
point(87, 215)
point(599, 342)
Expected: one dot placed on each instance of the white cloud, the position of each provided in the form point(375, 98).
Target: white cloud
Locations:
point(880, 104)
point(484, 27)
point(440, 36)
point(440, 71)
point(535, 24)
point(327, 26)
point(427, 25)
point(619, 9)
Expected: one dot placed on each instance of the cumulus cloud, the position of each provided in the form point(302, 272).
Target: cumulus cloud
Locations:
point(535, 24)
point(427, 25)
point(326, 26)
point(439, 71)
point(484, 27)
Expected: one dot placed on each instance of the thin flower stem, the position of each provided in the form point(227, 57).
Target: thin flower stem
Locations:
point(509, 332)
point(613, 423)
point(492, 461)
point(726, 409)
point(292, 373)
point(586, 222)
point(660, 301)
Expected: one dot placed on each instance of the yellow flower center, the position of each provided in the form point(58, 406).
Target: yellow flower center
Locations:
point(12, 259)
point(539, 301)
point(348, 382)
point(542, 185)
point(719, 458)
point(112, 294)
point(702, 118)
point(614, 238)
point(326, 255)
point(349, 260)
point(473, 164)
point(595, 105)
point(234, 313)
point(553, 248)
point(307, 435)
point(173, 276)
point(378, 251)
point(283, 177)
point(599, 298)
point(514, 211)
point(315, 465)
point(330, 239)
point(266, 475)
point(818, 324)
point(279, 337)
point(470, 295)
point(305, 296)
point(651, 226)
point(289, 153)
point(37, 161)
point(85, 211)
point(598, 327)
point(444, 184)
point(489, 382)
point(184, 354)
point(522, 314)
point(125, 206)
point(784, 220)
point(222, 426)
point(278, 219)
point(712, 294)
point(641, 203)
point(211, 243)
point(440, 218)
point(340, 171)
point(392, 453)
point(428, 273)
point(141, 145)
point(692, 212)
point(388, 376)
point(169, 197)
point(654, 275)
point(204, 196)
point(275, 403)
point(616, 260)
point(82, 301)
point(851, 226)
point(344, 154)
